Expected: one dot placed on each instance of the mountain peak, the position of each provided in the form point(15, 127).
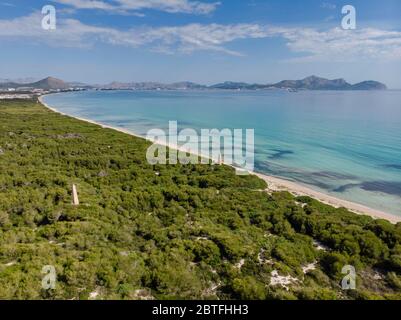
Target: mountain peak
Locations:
point(51, 79)
point(50, 83)
point(313, 77)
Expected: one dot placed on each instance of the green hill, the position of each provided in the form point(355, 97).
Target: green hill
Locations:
point(189, 232)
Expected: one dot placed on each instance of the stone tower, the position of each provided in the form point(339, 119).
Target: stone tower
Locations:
point(75, 200)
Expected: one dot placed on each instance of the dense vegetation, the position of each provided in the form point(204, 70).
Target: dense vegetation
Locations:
point(188, 232)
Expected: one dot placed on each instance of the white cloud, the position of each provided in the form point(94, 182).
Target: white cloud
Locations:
point(69, 32)
point(337, 44)
point(327, 5)
point(123, 6)
point(329, 45)
point(183, 39)
point(192, 37)
point(7, 4)
point(87, 4)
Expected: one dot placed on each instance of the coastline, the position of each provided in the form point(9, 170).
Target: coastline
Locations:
point(274, 183)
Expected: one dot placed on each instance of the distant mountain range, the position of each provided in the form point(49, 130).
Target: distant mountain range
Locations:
point(153, 86)
point(309, 83)
point(316, 83)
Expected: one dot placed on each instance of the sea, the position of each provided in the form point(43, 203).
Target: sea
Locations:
point(344, 143)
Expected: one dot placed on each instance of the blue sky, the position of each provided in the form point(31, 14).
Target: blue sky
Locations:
point(205, 41)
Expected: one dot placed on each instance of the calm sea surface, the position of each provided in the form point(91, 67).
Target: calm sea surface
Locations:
point(346, 144)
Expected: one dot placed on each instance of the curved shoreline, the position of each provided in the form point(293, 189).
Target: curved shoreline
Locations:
point(274, 183)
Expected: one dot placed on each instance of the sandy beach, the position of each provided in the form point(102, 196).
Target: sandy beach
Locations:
point(275, 183)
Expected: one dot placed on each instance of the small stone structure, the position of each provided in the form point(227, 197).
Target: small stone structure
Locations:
point(75, 200)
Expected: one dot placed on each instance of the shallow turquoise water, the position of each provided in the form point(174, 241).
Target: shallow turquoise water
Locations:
point(346, 144)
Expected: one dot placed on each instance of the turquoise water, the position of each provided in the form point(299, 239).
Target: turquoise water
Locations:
point(346, 144)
